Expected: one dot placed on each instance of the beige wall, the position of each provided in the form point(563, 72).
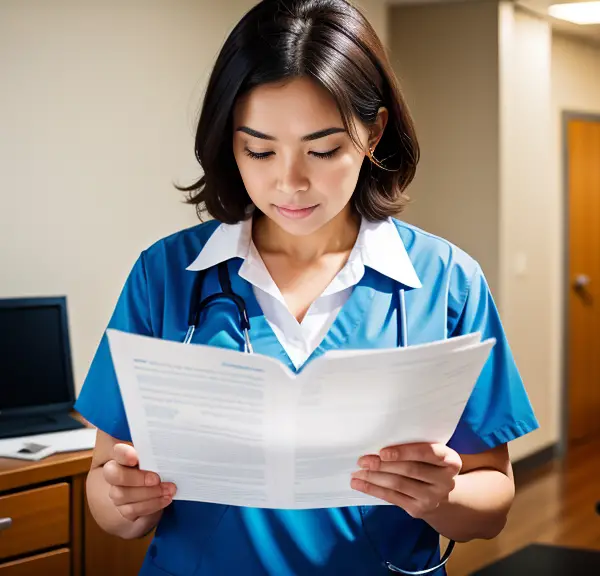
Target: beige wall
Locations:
point(478, 79)
point(377, 14)
point(446, 56)
point(527, 222)
point(97, 111)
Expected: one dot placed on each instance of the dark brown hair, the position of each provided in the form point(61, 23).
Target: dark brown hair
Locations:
point(332, 43)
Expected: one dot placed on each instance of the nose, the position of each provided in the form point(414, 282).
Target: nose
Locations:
point(292, 177)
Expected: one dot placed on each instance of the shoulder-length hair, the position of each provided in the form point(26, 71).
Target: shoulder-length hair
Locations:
point(332, 43)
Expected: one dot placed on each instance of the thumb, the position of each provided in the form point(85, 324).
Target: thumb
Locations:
point(125, 455)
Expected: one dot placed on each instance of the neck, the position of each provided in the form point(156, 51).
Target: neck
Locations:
point(338, 235)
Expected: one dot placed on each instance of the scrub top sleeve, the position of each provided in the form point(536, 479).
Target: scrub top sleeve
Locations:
point(100, 401)
point(499, 409)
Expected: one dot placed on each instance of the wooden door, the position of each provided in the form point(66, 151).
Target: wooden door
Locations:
point(584, 276)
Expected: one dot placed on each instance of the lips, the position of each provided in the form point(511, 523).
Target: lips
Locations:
point(296, 212)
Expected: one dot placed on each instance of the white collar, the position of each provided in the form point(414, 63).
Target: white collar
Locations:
point(378, 246)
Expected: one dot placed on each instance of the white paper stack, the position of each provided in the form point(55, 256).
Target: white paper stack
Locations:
point(242, 429)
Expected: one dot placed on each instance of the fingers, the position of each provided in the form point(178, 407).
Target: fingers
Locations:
point(416, 498)
point(135, 510)
point(453, 461)
point(435, 454)
point(122, 495)
point(134, 492)
point(417, 477)
point(432, 454)
point(410, 505)
point(427, 473)
point(407, 486)
point(125, 455)
point(119, 475)
point(123, 471)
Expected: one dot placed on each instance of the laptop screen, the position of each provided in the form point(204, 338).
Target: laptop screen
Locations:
point(34, 369)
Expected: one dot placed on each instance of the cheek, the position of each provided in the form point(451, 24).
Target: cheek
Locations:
point(340, 176)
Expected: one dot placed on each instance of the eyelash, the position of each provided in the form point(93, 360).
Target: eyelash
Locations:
point(265, 155)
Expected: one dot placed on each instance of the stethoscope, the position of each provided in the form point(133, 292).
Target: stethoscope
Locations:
point(198, 305)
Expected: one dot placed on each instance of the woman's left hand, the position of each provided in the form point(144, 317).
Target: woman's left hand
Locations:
point(415, 477)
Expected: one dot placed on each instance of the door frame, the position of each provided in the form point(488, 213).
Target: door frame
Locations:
point(567, 116)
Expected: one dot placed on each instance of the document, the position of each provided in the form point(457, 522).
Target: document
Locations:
point(243, 429)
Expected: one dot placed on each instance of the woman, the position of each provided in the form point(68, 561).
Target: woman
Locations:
point(307, 148)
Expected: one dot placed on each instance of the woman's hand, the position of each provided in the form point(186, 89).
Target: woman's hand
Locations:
point(134, 492)
point(415, 477)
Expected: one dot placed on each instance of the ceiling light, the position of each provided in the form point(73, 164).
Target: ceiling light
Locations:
point(578, 13)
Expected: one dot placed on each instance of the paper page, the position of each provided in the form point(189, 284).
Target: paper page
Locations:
point(432, 347)
point(213, 421)
point(350, 407)
point(239, 429)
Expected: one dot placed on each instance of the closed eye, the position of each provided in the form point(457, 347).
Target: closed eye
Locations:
point(325, 155)
point(265, 155)
point(258, 155)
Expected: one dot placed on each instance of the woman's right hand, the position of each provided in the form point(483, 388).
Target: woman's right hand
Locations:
point(135, 493)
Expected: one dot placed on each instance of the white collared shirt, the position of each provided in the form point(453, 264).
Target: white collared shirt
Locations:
point(378, 246)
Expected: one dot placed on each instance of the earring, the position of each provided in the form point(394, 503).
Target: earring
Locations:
point(376, 162)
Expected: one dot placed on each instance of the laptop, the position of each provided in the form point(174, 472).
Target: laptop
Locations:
point(37, 393)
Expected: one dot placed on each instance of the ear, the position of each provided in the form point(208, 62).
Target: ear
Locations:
point(378, 127)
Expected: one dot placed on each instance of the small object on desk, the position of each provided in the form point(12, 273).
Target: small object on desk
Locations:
point(43, 445)
point(32, 448)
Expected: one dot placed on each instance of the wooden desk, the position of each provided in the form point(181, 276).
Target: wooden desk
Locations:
point(52, 530)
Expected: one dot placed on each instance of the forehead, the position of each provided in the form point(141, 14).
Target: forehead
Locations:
point(300, 106)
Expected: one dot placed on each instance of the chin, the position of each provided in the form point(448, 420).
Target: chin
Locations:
point(300, 227)
point(303, 228)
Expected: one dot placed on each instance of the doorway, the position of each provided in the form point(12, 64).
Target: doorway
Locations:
point(582, 341)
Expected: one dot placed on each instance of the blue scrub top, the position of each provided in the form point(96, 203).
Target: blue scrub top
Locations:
point(210, 539)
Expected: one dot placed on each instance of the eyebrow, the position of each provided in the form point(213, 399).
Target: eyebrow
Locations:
point(307, 138)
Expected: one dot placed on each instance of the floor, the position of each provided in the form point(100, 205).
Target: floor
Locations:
point(554, 504)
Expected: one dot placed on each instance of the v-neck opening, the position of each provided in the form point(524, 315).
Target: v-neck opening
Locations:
point(264, 338)
point(346, 323)
point(254, 270)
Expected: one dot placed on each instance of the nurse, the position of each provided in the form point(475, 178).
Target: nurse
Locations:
point(307, 147)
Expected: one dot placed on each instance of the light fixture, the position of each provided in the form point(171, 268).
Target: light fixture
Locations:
point(578, 12)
